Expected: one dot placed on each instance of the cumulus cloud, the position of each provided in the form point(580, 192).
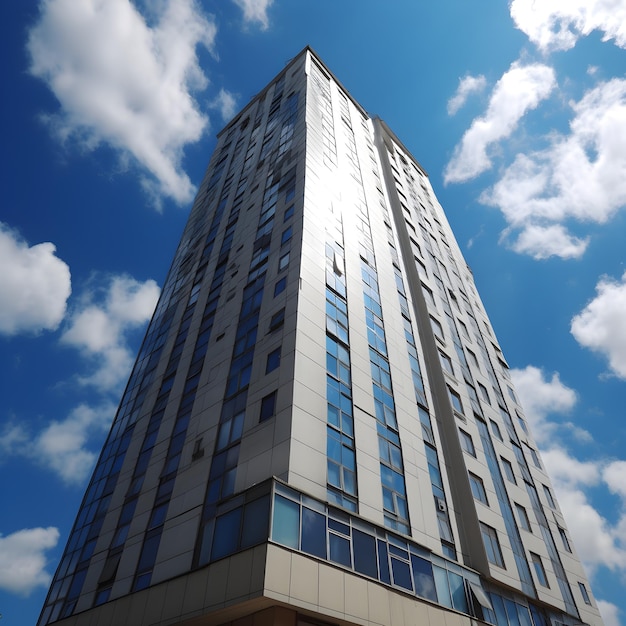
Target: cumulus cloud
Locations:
point(519, 90)
point(62, 445)
point(610, 613)
point(600, 542)
point(542, 398)
point(557, 25)
point(124, 83)
point(542, 242)
point(226, 104)
point(99, 326)
point(467, 86)
point(579, 176)
point(601, 325)
point(34, 285)
point(23, 561)
point(255, 11)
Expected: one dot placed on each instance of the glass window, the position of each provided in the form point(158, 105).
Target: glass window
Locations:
point(255, 522)
point(280, 285)
point(277, 319)
point(288, 213)
point(539, 570)
point(508, 470)
point(446, 363)
point(495, 429)
point(273, 361)
point(364, 546)
point(549, 498)
point(424, 578)
point(523, 517)
point(455, 399)
point(484, 393)
point(268, 406)
point(286, 236)
point(564, 539)
point(584, 593)
point(283, 262)
point(339, 549)
point(401, 573)
point(437, 329)
point(457, 588)
point(443, 586)
point(226, 534)
point(478, 488)
point(313, 533)
point(492, 545)
point(286, 522)
point(467, 443)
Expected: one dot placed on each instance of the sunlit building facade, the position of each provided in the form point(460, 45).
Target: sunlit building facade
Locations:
point(320, 427)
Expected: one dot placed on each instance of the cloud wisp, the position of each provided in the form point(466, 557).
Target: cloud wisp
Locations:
point(255, 11)
point(63, 445)
point(601, 325)
point(518, 91)
point(124, 83)
point(99, 325)
point(467, 86)
point(34, 285)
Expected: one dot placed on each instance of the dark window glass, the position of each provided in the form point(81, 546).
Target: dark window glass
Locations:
point(383, 562)
point(424, 579)
point(313, 533)
point(364, 553)
point(256, 517)
point(277, 320)
point(273, 361)
point(268, 406)
point(226, 535)
point(401, 573)
point(286, 236)
point(280, 285)
point(288, 213)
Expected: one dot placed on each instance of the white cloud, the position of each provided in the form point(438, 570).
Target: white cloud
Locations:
point(99, 329)
point(614, 475)
point(557, 25)
point(467, 86)
point(23, 561)
point(601, 325)
point(599, 541)
point(124, 83)
point(542, 397)
point(519, 90)
point(542, 242)
point(34, 285)
point(609, 612)
point(580, 176)
point(62, 445)
point(226, 103)
point(255, 11)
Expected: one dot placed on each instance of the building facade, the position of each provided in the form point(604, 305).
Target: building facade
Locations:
point(320, 426)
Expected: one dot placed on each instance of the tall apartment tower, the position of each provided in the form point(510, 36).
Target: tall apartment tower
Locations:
point(320, 427)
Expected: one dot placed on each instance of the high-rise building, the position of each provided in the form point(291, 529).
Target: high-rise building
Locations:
point(320, 426)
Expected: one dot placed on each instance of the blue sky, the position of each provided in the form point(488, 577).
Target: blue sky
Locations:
point(108, 119)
